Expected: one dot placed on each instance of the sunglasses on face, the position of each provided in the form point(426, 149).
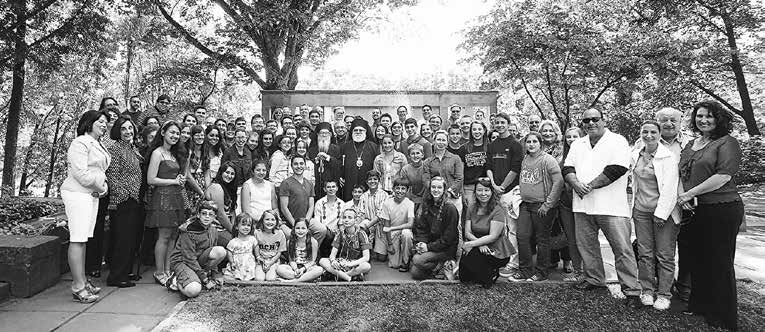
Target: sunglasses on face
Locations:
point(588, 120)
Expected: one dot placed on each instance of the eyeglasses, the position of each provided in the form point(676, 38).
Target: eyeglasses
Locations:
point(588, 120)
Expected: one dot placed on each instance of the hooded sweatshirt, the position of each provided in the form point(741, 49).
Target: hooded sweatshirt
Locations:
point(193, 240)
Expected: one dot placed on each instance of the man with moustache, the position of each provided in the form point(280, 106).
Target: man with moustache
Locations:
point(325, 156)
point(134, 110)
point(357, 157)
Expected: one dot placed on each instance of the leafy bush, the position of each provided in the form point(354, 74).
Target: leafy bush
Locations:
point(14, 211)
point(752, 161)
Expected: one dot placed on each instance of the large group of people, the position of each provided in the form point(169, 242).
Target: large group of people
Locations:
point(297, 199)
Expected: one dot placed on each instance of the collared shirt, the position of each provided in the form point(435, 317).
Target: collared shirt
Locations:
point(124, 173)
point(589, 162)
point(450, 167)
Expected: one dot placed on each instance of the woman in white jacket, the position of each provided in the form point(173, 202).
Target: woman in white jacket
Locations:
point(87, 162)
point(655, 177)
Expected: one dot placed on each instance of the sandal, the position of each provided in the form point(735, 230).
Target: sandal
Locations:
point(92, 288)
point(84, 296)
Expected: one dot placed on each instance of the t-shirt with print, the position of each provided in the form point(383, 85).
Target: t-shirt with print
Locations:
point(535, 177)
point(504, 155)
point(397, 213)
point(475, 164)
point(270, 244)
point(351, 246)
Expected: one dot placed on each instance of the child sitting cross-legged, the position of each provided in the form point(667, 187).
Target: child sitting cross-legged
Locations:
point(196, 255)
point(271, 243)
point(350, 250)
point(302, 251)
point(242, 250)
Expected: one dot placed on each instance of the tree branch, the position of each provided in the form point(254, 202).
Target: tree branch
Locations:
point(717, 97)
point(525, 86)
point(223, 58)
point(604, 89)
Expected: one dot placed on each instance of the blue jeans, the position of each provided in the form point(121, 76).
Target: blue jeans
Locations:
point(530, 223)
point(617, 231)
point(567, 221)
point(656, 253)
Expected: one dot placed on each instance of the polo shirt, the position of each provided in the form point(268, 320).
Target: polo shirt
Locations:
point(589, 162)
point(298, 194)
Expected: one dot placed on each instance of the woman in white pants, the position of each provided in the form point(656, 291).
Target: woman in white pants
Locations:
point(85, 182)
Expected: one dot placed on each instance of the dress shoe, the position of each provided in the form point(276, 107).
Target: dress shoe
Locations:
point(586, 286)
point(121, 284)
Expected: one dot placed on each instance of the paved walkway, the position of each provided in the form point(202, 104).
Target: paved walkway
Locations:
point(142, 307)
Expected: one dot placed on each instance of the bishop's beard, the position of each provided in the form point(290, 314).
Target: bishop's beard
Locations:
point(358, 138)
point(323, 143)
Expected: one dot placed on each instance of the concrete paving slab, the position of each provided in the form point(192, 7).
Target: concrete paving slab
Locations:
point(56, 298)
point(140, 300)
point(96, 322)
point(32, 321)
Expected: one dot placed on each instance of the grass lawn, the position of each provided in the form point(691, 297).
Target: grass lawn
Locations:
point(439, 307)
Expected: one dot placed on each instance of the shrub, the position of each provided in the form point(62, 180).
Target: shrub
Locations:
point(14, 211)
point(752, 161)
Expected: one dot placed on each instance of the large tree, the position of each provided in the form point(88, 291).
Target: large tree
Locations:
point(268, 40)
point(712, 43)
point(564, 55)
point(40, 32)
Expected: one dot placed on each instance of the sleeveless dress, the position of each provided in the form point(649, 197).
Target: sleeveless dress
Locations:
point(242, 264)
point(260, 200)
point(166, 208)
point(193, 198)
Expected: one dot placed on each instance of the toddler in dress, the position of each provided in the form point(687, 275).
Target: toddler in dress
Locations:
point(242, 250)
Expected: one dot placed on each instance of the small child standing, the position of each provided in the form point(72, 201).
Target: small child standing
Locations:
point(397, 218)
point(196, 254)
point(271, 243)
point(302, 251)
point(352, 246)
point(242, 250)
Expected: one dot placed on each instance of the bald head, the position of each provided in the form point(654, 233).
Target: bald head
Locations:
point(669, 119)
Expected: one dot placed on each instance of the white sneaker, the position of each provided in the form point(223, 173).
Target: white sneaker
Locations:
point(662, 303)
point(646, 299)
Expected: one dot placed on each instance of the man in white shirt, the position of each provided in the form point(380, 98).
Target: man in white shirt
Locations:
point(596, 168)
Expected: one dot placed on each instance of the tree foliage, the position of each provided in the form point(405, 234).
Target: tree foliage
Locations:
point(268, 40)
point(714, 45)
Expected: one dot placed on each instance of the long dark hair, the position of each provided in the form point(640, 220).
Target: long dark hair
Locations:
point(207, 148)
point(229, 189)
point(493, 200)
point(471, 140)
point(176, 150)
point(292, 243)
point(723, 118)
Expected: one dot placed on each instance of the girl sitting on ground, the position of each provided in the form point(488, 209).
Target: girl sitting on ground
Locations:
point(350, 250)
point(242, 250)
point(302, 251)
point(271, 244)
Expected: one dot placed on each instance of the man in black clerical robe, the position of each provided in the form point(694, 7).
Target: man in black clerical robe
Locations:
point(358, 156)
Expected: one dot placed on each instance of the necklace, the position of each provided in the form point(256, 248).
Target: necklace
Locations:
point(359, 162)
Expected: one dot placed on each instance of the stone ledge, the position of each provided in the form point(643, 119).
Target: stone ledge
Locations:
point(29, 264)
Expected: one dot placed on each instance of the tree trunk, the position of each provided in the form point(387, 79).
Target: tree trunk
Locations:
point(17, 95)
point(25, 169)
point(128, 65)
point(747, 111)
point(54, 148)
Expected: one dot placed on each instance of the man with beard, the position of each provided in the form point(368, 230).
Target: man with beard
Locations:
point(325, 156)
point(134, 110)
point(357, 157)
point(341, 133)
point(376, 114)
